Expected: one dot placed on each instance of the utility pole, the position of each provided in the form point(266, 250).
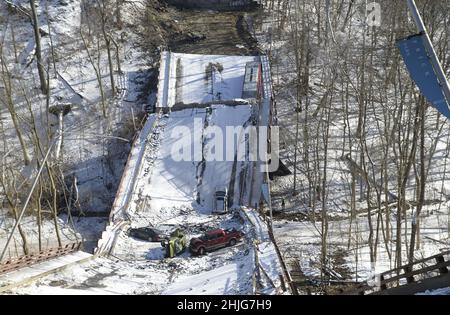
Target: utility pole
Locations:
point(430, 50)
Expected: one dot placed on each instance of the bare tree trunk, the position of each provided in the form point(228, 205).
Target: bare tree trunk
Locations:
point(10, 194)
point(51, 45)
point(107, 39)
point(415, 227)
point(116, 45)
point(13, 37)
point(324, 226)
point(298, 106)
point(9, 104)
point(37, 38)
point(54, 205)
point(110, 63)
point(96, 70)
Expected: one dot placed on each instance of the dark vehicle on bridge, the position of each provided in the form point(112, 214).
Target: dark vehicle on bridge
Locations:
point(146, 234)
point(152, 234)
point(213, 240)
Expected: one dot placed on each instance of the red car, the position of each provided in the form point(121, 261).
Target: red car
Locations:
point(214, 239)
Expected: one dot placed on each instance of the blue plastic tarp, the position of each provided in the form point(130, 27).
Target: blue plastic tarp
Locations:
point(422, 72)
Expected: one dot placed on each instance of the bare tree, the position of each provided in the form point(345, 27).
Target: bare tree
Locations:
point(37, 37)
point(8, 102)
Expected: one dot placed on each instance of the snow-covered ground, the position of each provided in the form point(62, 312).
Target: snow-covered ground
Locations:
point(301, 241)
point(94, 148)
point(101, 276)
point(298, 232)
point(48, 239)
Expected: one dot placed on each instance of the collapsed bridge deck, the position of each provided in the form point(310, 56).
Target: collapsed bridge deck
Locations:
point(158, 188)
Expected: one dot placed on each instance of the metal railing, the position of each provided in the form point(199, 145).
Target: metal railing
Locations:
point(425, 274)
point(31, 259)
point(426, 268)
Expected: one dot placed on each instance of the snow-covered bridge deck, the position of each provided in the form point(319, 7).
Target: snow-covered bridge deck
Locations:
point(183, 164)
point(199, 79)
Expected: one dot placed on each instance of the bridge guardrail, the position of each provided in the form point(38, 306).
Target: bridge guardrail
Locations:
point(117, 218)
point(43, 255)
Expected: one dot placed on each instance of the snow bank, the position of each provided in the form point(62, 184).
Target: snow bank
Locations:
point(227, 279)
